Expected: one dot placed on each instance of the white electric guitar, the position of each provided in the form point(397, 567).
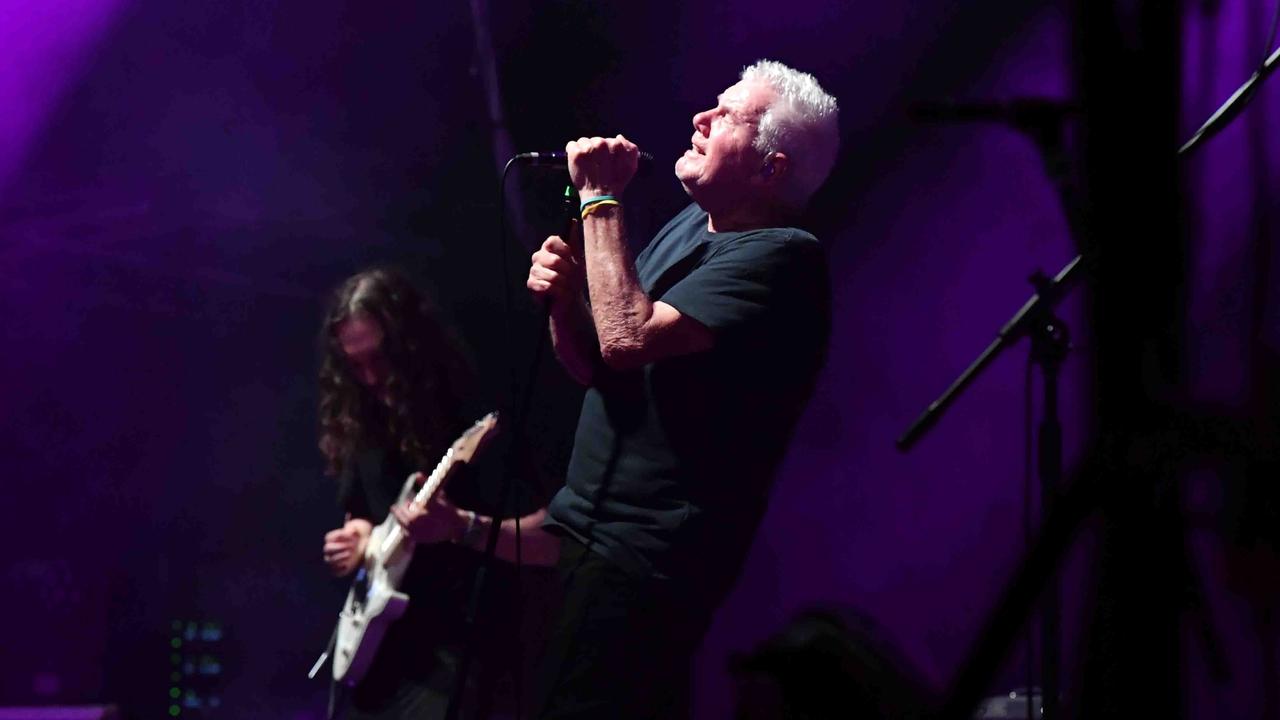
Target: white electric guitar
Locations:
point(375, 601)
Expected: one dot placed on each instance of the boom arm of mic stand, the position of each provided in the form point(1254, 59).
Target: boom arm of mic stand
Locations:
point(1045, 298)
point(1232, 107)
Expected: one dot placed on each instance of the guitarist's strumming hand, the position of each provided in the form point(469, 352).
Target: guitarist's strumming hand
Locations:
point(344, 547)
point(439, 521)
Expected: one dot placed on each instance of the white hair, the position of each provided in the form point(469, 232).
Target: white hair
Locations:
point(802, 123)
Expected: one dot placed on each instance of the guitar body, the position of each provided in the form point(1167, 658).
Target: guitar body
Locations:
point(372, 604)
point(375, 600)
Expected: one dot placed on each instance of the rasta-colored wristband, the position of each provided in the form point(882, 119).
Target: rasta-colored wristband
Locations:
point(596, 204)
point(597, 199)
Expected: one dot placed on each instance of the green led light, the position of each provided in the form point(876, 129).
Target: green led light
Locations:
point(174, 710)
point(175, 643)
point(175, 693)
point(176, 624)
point(175, 658)
point(175, 676)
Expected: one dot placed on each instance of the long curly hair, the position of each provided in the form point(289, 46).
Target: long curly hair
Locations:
point(419, 409)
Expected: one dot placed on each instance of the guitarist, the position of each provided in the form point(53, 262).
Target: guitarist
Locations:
point(392, 383)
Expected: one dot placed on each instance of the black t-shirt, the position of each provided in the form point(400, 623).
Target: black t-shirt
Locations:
point(672, 462)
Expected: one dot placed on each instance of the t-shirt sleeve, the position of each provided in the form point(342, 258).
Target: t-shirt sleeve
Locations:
point(748, 281)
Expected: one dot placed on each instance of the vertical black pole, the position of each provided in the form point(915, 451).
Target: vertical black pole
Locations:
point(1049, 347)
point(1129, 84)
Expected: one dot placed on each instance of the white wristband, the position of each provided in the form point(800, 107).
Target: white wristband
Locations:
point(465, 538)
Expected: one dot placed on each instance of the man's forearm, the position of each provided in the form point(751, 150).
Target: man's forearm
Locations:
point(537, 546)
point(573, 337)
point(620, 308)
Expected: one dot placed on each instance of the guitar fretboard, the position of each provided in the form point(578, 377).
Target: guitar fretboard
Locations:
point(391, 542)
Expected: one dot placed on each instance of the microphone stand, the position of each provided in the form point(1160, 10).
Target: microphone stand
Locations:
point(1233, 106)
point(1050, 344)
point(1034, 318)
point(1088, 494)
point(508, 501)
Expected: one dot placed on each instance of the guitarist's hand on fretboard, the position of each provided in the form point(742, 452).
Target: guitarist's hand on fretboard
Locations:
point(344, 548)
point(439, 521)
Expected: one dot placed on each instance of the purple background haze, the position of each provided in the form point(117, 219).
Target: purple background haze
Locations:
point(181, 183)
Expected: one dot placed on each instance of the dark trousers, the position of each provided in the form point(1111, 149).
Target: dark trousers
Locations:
point(389, 693)
point(621, 646)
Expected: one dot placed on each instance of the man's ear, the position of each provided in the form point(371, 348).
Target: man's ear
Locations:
point(775, 168)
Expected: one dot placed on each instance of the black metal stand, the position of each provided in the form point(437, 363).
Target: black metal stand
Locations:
point(1233, 106)
point(1050, 343)
point(1043, 121)
point(1125, 458)
point(1047, 295)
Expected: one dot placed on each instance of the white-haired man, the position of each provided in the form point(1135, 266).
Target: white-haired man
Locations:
point(699, 356)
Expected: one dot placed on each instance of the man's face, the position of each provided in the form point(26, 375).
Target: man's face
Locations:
point(361, 339)
point(721, 162)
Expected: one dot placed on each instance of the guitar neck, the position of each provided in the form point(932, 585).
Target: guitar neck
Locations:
point(392, 541)
point(435, 479)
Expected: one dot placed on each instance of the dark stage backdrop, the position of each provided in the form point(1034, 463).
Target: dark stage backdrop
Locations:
point(182, 183)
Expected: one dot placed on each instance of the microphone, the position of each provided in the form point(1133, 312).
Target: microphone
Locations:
point(560, 159)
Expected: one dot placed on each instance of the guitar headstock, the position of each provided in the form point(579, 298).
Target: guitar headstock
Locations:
point(475, 438)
